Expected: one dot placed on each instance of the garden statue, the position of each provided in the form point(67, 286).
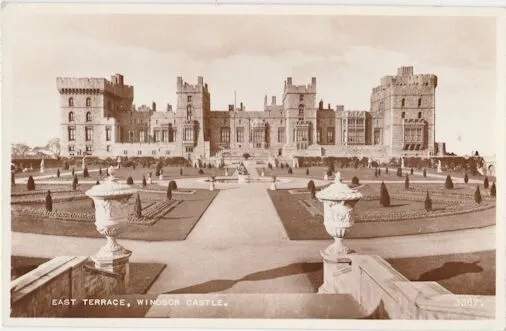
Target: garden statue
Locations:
point(263, 172)
point(369, 163)
point(226, 172)
point(242, 174)
point(402, 163)
point(112, 208)
point(42, 166)
point(211, 183)
point(83, 163)
point(439, 170)
point(150, 179)
point(326, 176)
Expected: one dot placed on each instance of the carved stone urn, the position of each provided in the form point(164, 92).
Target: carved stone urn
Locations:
point(338, 201)
point(112, 209)
point(42, 166)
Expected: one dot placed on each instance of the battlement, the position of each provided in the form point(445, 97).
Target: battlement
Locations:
point(406, 77)
point(300, 89)
point(89, 85)
point(184, 87)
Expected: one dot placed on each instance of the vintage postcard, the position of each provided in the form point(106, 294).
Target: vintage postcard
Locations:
point(253, 166)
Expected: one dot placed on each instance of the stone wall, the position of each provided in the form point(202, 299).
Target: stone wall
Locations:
point(383, 293)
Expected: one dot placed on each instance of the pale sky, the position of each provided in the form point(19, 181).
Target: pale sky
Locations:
point(253, 55)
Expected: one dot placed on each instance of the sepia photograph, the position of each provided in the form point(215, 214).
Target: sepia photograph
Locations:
point(193, 166)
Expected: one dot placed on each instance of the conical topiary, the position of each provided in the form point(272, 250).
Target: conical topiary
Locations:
point(485, 183)
point(307, 171)
point(289, 170)
point(100, 171)
point(173, 185)
point(399, 172)
point(384, 196)
point(492, 190)
point(376, 172)
point(137, 206)
point(355, 181)
point(30, 184)
point(424, 172)
point(144, 181)
point(406, 182)
point(73, 172)
point(49, 201)
point(412, 171)
point(85, 172)
point(466, 178)
point(169, 193)
point(98, 182)
point(379, 172)
point(449, 183)
point(477, 195)
point(386, 170)
point(428, 202)
point(180, 171)
point(58, 173)
point(130, 180)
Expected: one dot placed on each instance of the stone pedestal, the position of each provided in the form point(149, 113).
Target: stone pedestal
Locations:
point(112, 207)
point(325, 177)
point(243, 178)
point(150, 180)
point(160, 177)
point(263, 173)
point(226, 172)
point(336, 276)
point(42, 170)
point(211, 185)
point(338, 202)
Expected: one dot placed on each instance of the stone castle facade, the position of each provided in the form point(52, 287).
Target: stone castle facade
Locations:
point(98, 118)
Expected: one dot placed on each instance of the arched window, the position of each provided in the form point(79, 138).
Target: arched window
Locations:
point(403, 114)
point(381, 105)
point(419, 114)
point(301, 112)
point(419, 102)
point(88, 102)
point(88, 117)
point(71, 116)
point(189, 112)
point(403, 102)
point(71, 102)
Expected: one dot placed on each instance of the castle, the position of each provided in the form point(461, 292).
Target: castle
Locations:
point(98, 118)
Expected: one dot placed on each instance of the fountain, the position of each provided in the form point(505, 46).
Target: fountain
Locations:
point(242, 174)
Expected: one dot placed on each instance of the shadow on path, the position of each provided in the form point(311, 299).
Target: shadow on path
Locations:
point(449, 270)
point(218, 285)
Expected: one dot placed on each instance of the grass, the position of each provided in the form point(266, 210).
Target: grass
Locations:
point(176, 225)
point(301, 225)
point(168, 172)
point(467, 273)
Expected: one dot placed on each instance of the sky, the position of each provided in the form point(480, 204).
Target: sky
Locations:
point(253, 55)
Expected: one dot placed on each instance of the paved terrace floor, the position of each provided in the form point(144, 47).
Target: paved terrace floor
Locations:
point(240, 246)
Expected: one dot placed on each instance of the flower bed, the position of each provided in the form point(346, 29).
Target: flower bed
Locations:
point(152, 213)
point(77, 196)
point(65, 215)
point(18, 194)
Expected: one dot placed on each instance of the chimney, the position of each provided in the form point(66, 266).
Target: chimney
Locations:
point(329, 107)
point(200, 80)
point(265, 100)
point(289, 81)
point(179, 81)
point(169, 107)
point(313, 81)
point(405, 70)
point(273, 101)
point(320, 105)
point(242, 107)
point(119, 79)
point(153, 106)
point(230, 107)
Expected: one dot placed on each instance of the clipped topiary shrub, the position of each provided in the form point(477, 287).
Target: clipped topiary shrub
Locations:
point(428, 202)
point(424, 172)
point(201, 172)
point(30, 184)
point(485, 183)
point(169, 193)
point(130, 180)
point(384, 196)
point(58, 173)
point(379, 172)
point(98, 182)
point(100, 171)
point(449, 183)
point(477, 194)
point(180, 171)
point(290, 171)
point(85, 172)
point(399, 172)
point(412, 171)
point(386, 170)
point(75, 181)
point(73, 172)
point(466, 178)
point(492, 190)
point(281, 166)
point(406, 182)
point(137, 206)
point(355, 181)
point(144, 181)
point(307, 171)
point(173, 185)
point(49, 201)
point(376, 172)
point(311, 185)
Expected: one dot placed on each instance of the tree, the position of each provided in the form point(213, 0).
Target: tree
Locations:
point(313, 192)
point(428, 202)
point(466, 178)
point(289, 170)
point(376, 172)
point(201, 172)
point(449, 183)
point(310, 185)
point(49, 201)
point(75, 182)
point(169, 192)
point(412, 171)
point(73, 172)
point(85, 172)
point(130, 180)
point(477, 194)
point(144, 181)
point(386, 170)
point(355, 181)
point(30, 184)
point(406, 182)
point(307, 171)
point(492, 190)
point(485, 183)
point(100, 170)
point(329, 172)
point(424, 172)
point(173, 185)
point(98, 182)
point(66, 166)
point(137, 206)
point(180, 171)
point(58, 173)
point(379, 172)
point(384, 196)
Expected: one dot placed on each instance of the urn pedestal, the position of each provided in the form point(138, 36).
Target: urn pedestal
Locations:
point(42, 170)
point(338, 202)
point(325, 177)
point(112, 207)
point(243, 178)
point(211, 185)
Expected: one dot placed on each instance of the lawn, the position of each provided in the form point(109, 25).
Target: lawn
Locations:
point(467, 273)
point(300, 224)
point(176, 225)
point(168, 172)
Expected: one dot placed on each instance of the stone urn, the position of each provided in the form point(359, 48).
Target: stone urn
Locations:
point(325, 177)
point(338, 201)
point(273, 184)
point(160, 177)
point(42, 170)
point(226, 172)
point(112, 209)
point(211, 184)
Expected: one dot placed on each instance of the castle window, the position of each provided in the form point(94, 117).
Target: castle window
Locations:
point(108, 148)
point(330, 135)
point(88, 102)
point(108, 133)
point(403, 102)
point(225, 135)
point(189, 149)
point(419, 102)
point(125, 152)
point(71, 116)
point(72, 134)
point(189, 98)
point(403, 114)
point(301, 112)
point(301, 97)
point(240, 134)
point(131, 136)
point(71, 148)
point(165, 136)
point(189, 112)
point(381, 105)
point(419, 114)
point(157, 136)
point(318, 135)
point(88, 149)
point(281, 135)
point(71, 102)
point(88, 117)
point(142, 136)
point(88, 133)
